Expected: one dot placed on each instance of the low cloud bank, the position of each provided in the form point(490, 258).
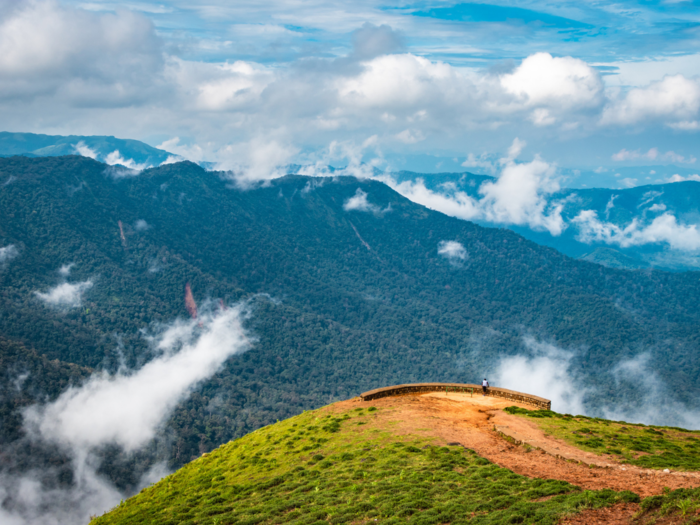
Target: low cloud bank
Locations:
point(519, 195)
point(546, 371)
point(663, 229)
point(126, 409)
point(65, 295)
point(453, 251)
point(359, 202)
point(115, 158)
point(7, 253)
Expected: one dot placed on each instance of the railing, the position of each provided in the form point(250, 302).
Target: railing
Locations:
point(420, 388)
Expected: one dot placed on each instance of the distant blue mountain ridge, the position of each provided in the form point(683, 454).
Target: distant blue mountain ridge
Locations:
point(110, 150)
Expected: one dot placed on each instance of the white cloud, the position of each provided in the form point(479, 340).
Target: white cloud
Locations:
point(193, 153)
point(49, 48)
point(685, 125)
point(64, 271)
point(7, 253)
point(65, 295)
point(482, 161)
point(672, 99)
point(399, 83)
point(452, 250)
point(255, 161)
point(545, 373)
point(657, 405)
point(83, 149)
point(554, 81)
point(410, 136)
point(225, 86)
point(455, 204)
point(520, 194)
point(127, 410)
point(682, 178)
point(629, 182)
point(115, 158)
point(141, 225)
point(542, 117)
point(664, 229)
point(652, 154)
point(359, 202)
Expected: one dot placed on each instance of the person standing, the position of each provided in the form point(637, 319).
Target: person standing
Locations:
point(485, 386)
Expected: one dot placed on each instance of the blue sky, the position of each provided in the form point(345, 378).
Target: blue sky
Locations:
point(424, 86)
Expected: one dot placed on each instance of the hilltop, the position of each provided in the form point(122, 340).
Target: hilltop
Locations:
point(430, 458)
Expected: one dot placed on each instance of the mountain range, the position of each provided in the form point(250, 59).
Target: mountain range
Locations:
point(612, 227)
point(349, 286)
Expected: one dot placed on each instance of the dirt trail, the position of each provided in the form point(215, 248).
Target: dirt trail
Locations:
point(473, 423)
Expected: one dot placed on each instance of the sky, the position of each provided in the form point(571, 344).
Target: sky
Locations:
point(422, 86)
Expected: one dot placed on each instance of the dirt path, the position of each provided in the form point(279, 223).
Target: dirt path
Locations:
point(474, 422)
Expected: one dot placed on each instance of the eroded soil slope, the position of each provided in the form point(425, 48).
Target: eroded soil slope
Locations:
point(479, 423)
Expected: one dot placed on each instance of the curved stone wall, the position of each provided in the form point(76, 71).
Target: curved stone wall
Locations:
point(420, 388)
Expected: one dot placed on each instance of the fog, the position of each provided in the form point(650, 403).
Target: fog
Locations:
point(126, 409)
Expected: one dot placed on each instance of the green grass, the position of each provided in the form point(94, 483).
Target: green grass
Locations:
point(320, 468)
point(682, 503)
point(635, 444)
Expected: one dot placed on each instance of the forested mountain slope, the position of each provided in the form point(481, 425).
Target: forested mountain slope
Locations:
point(350, 299)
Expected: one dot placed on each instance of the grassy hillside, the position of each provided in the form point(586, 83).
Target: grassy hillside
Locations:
point(634, 444)
point(328, 467)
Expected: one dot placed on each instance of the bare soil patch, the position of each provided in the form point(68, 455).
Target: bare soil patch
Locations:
point(479, 423)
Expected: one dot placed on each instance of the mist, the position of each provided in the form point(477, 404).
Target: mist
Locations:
point(126, 410)
point(547, 370)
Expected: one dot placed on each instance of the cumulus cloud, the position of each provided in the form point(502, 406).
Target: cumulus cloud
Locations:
point(453, 251)
point(674, 98)
point(65, 295)
point(519, 196)
point(664, 229)
point(542, 79)
point(220, 87)
point(88, 58)
point(7, 253)
point(126, 410)
point(76, 67)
